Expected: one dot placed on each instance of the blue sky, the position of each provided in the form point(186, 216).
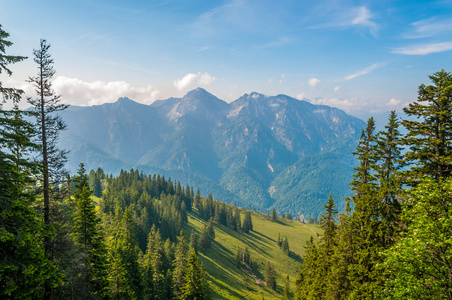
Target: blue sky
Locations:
point(365, 57)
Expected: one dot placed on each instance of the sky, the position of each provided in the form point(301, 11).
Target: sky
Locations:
point(365, 57)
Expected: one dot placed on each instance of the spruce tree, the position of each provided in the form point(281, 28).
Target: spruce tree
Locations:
point(206, 239)
point(211, 229)
point(194, 242)
point(274, 215)
point(89, 240)
point(270, 276)
point(180, 266)
point(429, 135)
point(49, 125)
point(24, 267)
point(247, 225)
point(196, 286)
point(327, 222)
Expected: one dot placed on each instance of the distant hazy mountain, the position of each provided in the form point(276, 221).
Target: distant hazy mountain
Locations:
point(258, 151)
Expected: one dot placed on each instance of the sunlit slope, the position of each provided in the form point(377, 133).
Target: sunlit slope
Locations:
point(227, 281)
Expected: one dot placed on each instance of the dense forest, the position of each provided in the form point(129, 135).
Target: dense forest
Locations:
point(393, 241)
point(95, 236)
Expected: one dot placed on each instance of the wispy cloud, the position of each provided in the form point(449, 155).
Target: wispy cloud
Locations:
point(205, 48)
point(192, 79)
point(428, 28)
point(337, 88)
point(313, 82)
point(351, 17)
point(281, 41)
point(424, 49)
point(364, 71)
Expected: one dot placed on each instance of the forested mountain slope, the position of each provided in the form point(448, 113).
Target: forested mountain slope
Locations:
point(258, 151)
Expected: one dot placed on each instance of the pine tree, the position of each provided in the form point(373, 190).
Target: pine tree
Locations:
point(327, 222)
point(247, 225)
point(206, 239)
point(89, 240)
point(194, 242)
point(238, 220)
point(180, 266)
point(274, 215)
point(124, 274)
point(429, 135)
point(48, 125)
point(270, 276)
point(211, 229)
point(285, 246)
point(196, 286)
point(24, 266)
point(286, 291)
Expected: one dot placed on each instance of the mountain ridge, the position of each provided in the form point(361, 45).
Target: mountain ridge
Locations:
point(245, 148)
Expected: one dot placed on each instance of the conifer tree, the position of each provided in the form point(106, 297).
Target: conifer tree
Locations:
point(429, 135)
point(124, 274)
point(247, 225)
point(89, 240)
point(180, 266)
point(23, 267)
point(194, 242)
point(206, 239)
point(49, 125)
point(238, 220)
point(327, 222)
point(211, 229)
point(270, 276)
point(196, 286)
point(274, 215)
point(286, 291)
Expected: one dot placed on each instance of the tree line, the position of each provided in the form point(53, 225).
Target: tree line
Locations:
point(393, 241)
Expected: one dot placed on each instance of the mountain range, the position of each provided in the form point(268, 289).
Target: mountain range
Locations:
point(261, 152)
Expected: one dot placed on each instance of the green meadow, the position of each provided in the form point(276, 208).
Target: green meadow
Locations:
point(227, 281)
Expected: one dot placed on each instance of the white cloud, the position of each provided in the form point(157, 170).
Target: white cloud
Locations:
point(313, 82)
point(428, 28)
point(393, 102)
point(351, 17)
point(337, 88)
point(363, 72)
point(192, 79)
point(348, 105)
point(78, 92)
point(300, 96)
point(424, 49)
point(363, 17)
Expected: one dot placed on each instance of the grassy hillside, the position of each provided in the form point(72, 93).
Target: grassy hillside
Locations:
point(228, 281)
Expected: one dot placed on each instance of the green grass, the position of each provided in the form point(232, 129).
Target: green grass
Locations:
point(229, 282)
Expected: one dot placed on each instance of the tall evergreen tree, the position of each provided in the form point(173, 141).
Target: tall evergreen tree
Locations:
point(180, 266)
point(247, 225)
point(194, 242)
point(49, 125)
point(270, 276)
point(24, 266)
point(430, 134)
point(124, 274)
point(89, 239)
point(327, 222)
point(196, 286)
